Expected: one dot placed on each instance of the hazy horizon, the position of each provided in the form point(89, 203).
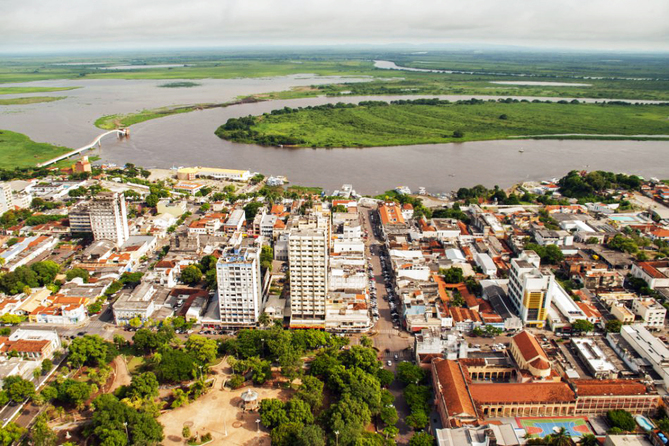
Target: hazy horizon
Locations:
point(31, 26)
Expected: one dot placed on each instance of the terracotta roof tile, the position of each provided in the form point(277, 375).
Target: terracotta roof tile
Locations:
point(453, 387)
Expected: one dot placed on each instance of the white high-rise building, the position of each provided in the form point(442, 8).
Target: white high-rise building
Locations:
point(239, 286)
point(308, 263)
point(109, 220)
point(530, 289)
point(5, 198)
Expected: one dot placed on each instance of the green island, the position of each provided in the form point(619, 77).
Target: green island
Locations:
point(30, 100)
point(183, 84)
point(24, 90)
point(111, 122)
point(427, 121)
point(18, 150)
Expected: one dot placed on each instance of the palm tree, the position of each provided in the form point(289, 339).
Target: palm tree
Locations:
point(588, 440)
point(264, 319)
point(561, 438)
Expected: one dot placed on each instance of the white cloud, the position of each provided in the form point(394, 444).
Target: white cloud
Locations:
point(607, 24)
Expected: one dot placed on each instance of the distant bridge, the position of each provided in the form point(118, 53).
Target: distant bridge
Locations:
point(121, 133)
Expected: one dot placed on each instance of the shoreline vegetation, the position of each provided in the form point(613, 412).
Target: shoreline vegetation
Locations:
point(431, 121)
point(30, 100)
point(111, 122)
point(18, 150)
point(25, 90)
point(179, 85)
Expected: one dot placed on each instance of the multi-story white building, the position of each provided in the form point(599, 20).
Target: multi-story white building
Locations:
point(308, 263)
point(6, 202)
point(651, 312)
point(239, 286)
point(109, 220)
point(530, 289)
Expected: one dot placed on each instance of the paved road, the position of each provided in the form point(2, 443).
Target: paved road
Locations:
point(387, 339)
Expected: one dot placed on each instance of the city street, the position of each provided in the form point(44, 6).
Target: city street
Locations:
point(388, 340)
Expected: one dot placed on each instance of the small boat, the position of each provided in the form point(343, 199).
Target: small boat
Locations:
point(521, 150)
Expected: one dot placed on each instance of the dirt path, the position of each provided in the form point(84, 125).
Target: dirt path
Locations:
point(219, 413)
point(122, 375)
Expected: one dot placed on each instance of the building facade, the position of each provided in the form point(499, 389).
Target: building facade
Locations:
point(308, 263)
point(109, 220)
point(530, 289)
point(239, 286)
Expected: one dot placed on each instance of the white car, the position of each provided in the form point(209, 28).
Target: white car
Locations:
point(389, 363)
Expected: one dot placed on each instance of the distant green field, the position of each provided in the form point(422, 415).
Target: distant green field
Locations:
point(17, 150)
point(24, 90)
point(30, 100)
point(413, 123)
point(614, 70)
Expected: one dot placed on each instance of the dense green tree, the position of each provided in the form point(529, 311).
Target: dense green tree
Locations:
point(91, 350)
point(299, 411)
point(582, 326)
point(77, 272)
point(10, 434)
point(385, 377)
point(417, 420)
point(17, 388)
point(621, 419)
point(389, 415)
point(613, 326)
point(152, 200)
point(145, 340)
point(422, 439)
point(112, 418)
point(286, 434)
point(46, 271)
point(409, 373)
point(311, 391)
point(311, 435)
point(453, 275)
point(74, 392)
point(41, 434)
point(175, 366)
point(144, 385)
point(273, 413)
point(203, 349)
point(550, 254)
point(191, 275)
point(362, 358)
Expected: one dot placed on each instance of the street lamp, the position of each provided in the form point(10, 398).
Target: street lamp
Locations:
point(336, 437)
point(125, 425)
point(258, 425)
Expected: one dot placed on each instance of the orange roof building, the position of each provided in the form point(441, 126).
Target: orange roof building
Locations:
point(391, 214)
point(529, 355)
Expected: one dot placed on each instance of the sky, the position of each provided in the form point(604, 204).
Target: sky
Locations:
point(39, 25)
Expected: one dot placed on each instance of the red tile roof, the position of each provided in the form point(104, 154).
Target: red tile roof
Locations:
point(507, 393)
point(597, 387)
point(528, 346)
point(453, 387)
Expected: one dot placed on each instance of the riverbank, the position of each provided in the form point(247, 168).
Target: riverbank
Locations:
point(30, 100)
point(111, 122)
point(377, 123)
point(17, 150)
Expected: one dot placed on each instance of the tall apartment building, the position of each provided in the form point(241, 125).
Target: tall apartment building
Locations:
point(9, 200)
point(239, 286)
point(308, 262)
point(5, 198)
point(530, 289)
point(109, 220)
point(80, 218)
